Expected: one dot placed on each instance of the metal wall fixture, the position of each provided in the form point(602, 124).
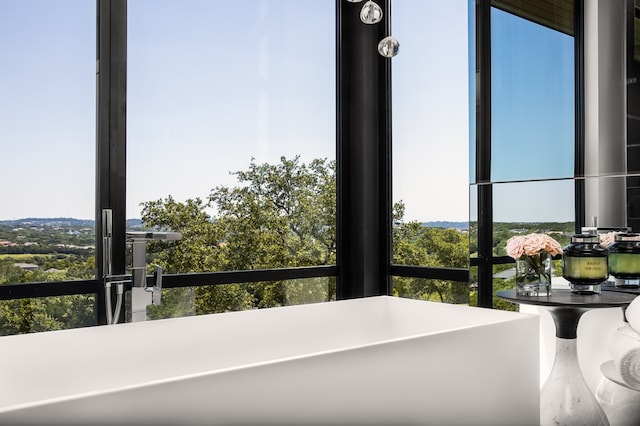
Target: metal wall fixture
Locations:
point(371, 13)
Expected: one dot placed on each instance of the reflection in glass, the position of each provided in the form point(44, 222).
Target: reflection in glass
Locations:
point(636, 31)
point(473, 74)
point(532, 93)
point(526, 207)
point(534, 201)
point(633, 202)
point(606, 201)
point(556, 14)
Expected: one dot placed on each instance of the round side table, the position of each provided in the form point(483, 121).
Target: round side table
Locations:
point(565, 398)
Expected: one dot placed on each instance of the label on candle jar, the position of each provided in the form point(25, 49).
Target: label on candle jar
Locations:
point(589, 268)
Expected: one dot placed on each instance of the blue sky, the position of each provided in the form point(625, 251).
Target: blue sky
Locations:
point(532, 100)
point(203, 100)
point(47, 108)
point(532, 89)
point(430, 109)
point(213, 84)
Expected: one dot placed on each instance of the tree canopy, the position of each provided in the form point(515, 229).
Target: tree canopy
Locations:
point(276, 216)
point(284, 215)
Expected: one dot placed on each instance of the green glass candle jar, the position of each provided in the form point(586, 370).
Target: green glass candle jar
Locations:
point(624, 260)
point(584, 264)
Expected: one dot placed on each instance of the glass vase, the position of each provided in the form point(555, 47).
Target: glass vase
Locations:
point(533, 275)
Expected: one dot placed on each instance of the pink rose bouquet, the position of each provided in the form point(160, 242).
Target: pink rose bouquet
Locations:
point(531, 245)
point(533, 253)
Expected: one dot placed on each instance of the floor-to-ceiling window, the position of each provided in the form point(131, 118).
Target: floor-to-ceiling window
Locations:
point(430, 149)
point(231, 141)
point(47, 135)
point(219, 120)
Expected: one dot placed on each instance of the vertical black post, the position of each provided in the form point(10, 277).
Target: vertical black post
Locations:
point(483, 153)
point(111, 70)
point(633, 120)
point(579, 183)
point(364, 153)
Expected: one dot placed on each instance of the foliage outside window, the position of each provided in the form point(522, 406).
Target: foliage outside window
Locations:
point(278, 216)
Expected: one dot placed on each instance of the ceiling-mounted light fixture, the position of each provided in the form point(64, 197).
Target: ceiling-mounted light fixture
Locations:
point(388, 47)
point(371, 13)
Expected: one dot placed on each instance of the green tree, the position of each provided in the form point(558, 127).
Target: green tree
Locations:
point(416, 244)
point(278, 216)
point(47, 314)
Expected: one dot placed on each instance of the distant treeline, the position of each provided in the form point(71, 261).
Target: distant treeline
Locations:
point(40, 249)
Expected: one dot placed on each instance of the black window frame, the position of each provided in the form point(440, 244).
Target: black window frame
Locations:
point(363, 153)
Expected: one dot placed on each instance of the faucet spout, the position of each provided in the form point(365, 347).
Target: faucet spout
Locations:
point(142, 295)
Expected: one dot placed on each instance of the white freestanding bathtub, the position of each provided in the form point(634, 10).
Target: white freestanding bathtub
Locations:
point(372, 361)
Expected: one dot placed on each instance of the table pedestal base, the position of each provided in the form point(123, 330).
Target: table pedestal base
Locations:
point(565, 398)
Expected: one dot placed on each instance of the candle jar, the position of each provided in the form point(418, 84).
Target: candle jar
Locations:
point(584, 264)
point(624, 260)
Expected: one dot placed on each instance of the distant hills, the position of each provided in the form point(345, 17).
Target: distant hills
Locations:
point(137, 223)
point(48, 221)
point(62, 221)
point(463, 226)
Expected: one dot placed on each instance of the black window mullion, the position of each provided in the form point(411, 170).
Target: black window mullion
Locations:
point(483, 154)
point(111, 82)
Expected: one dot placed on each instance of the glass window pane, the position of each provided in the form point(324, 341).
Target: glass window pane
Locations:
point(532, 100)
point(188, 301)
point(47, 314)
point(433, 290)
point(415, 244)
point(473, 286)
point(526, 207)
point(47, 129)
point(473, 220)
point(234, 123)
point(609, 201)
point(430, 118)
point(504, 278)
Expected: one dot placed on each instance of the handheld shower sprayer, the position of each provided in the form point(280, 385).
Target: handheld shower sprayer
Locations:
point(107, 274)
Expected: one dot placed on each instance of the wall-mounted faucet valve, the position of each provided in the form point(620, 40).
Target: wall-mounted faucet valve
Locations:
point(141, 294)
